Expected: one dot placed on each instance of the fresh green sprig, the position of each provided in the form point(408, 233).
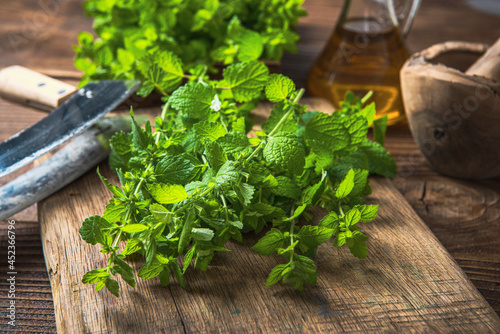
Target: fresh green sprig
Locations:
point(196, 180)
point(133, 37)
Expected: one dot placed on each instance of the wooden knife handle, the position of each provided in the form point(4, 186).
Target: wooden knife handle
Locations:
point(23, 85)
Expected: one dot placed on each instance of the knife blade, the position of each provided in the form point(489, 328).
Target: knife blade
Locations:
point(66, 165)
point(74, 116)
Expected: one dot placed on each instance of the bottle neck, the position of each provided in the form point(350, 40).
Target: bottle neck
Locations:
point(369, 15)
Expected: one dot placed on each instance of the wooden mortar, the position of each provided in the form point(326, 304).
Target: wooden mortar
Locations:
point(455, 116)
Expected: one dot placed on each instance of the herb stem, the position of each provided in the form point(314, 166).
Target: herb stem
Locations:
point(366, 97)
point(280, 123)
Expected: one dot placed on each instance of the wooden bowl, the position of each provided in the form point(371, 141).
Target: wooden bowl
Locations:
point(454, 116)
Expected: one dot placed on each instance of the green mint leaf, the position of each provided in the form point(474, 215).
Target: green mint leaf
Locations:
point(270, 243)
point(312, 194)
point(111, 187)
point(178, 275)
point(379, 129)
point(208, 130)
point(326, 134)
point(245, 80)
point(352, 217)
point(132, 246)
point(193, 99)
point(235, 143)
point(95, 275)
point(94, 230)
point(357, 244)
point(187, 259)
point(369, 113)
point(162, 70)
point(284, 152)
point(112, 286)
point(174, 170)
point(360, 181)
point(298, 211)
point(345, 187)
point(277, 113)
point(159, 212)
point(277, 274)
point(215, 155)
point(245, 192)
point(226, 173)
point(121, 143)
point(311, 237)
point(379, 160)
point(339, 240)
point(167, 193)
point(279, 87)
point(133, 228)
point(286, 188)
point(368, 213)
point(115, 211)
point(139, 137)
point(250, 45)
point(202, 234)
point(332, 221)
point(152, 271)
point(165, 277)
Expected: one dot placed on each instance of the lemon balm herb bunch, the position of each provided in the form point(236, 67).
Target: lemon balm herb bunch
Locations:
point(195, 180)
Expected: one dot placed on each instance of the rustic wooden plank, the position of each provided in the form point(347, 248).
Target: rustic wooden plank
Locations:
point(34, 306)
point(408, 282)
point(49, 49)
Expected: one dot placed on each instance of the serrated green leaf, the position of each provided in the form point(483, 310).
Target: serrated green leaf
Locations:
point(277, 113)
point(245, 192)
point(165, 277)
point(358, 247)
point(152, 271)
point(249, 45)
point(345, 187)
point(286, 188)
point(133, 228)
point(352, 217)
point(245, 80)
point(279, 87)
point(112, 286)
point(379, 129)
point(193, 99)
point(202, 234)
point(209, 130)
point(159, 212)
point(270, 243)
point(95, 230)
point(111, 187)
point(174, 170)
point(368, 212)
point(379, 160)
point(216, 155)
point(167, 193)
point(285, 153)
point(132, 246)
point(277, 274)
point(226, 173)
point(235, 143)
point(95, 275)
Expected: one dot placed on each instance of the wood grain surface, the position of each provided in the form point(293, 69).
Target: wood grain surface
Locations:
point(465, 216)
point(408, 282)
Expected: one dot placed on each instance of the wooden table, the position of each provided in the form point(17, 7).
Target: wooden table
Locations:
point(464, 215)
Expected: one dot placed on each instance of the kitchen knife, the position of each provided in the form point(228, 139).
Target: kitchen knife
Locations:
point(75, 115)
point(66, 165)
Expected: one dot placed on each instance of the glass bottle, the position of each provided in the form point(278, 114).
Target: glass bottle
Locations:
point(366, 52)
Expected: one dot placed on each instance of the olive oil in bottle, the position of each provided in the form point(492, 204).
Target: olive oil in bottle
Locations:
point(362, 55)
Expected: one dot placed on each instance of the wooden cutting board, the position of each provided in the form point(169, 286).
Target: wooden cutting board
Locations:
point(408, 282)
